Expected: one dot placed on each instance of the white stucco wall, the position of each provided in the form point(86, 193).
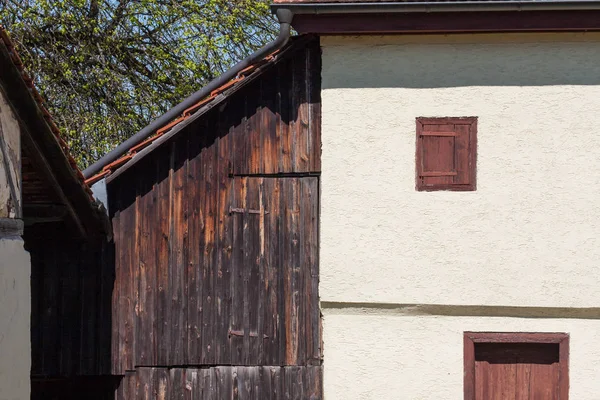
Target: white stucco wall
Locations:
point(15, 309)
point(529, 235)
point(372, 356)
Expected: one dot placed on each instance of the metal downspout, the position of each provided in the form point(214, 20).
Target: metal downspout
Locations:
point(285, 19)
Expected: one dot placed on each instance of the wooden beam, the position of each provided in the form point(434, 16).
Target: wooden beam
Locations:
point(42, 166)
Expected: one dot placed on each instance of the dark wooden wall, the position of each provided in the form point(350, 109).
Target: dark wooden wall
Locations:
point(71, 286)
point(216, 238)
point(223, 383)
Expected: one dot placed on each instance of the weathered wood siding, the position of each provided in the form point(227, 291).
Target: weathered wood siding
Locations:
point(216, 236)
point(71, 286)
point(222, 383)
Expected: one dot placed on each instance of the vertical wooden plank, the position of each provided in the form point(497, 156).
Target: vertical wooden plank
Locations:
point(132, 383)
point(235, 389)
point(146, 299)
point(314, 97)
point(315, 383)
point(163, 179)
point(240, 139)
point(50, 320)
point(193, 196)
point(105, 263)
point(191, 384)
point(284, 89)
point(310, 265)
point(288, 383)
point(264, 383)
point(153, 384)
point(208, 272)
point(268, 116)
point(301, 144)
point(292, 269)
point(438, 153)
point(253, 129)
point(162, 383)
point(270, 200)
point(115, 340)
point(277, 383)
point(302, 268)
point(284, 282)
point(143, 385)
point(133, 213)
point(223, 377)
point(177, 377)
point(77, 313)
point(252, 284)
point(563, 358)
point(178, 249)
point(223, 243)
point(237, 273)
point(243, 383)
point(126, 274)
point(461, 153)
point(90, 327)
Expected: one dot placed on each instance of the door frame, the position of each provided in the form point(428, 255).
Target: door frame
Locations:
point(470, 338)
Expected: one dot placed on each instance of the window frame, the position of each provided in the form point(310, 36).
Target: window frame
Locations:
point(471, 338)
point(472, 154)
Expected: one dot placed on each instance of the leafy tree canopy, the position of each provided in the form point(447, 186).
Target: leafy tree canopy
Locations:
point(109, 67)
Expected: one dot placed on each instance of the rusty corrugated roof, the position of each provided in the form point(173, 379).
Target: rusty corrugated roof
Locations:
point(16, 60)
point(240, 78)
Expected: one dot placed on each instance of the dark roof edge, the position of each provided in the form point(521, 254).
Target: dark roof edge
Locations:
point(435, 6)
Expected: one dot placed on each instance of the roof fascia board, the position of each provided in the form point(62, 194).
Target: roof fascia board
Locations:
point(435, 6)
point(449, 22)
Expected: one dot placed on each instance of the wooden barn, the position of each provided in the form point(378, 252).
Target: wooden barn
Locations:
point(216, 222)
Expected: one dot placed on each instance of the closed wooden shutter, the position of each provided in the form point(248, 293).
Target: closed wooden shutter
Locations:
point(446, 153)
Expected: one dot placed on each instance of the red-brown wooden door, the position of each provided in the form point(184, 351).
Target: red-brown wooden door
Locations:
point(517, 371)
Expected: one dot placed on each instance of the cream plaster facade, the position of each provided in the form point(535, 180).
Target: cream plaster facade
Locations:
point(15, 310)
point(528, 237)
point(385, 355)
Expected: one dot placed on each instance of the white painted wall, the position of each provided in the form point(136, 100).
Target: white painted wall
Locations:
point(15, 310)
point(384, 355)
point(529, 235)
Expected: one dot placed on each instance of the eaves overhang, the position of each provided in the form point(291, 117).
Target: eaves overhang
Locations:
point(433, 6)
point(442, 16)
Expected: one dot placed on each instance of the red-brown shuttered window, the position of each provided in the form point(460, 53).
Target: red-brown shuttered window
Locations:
point(446, 153)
